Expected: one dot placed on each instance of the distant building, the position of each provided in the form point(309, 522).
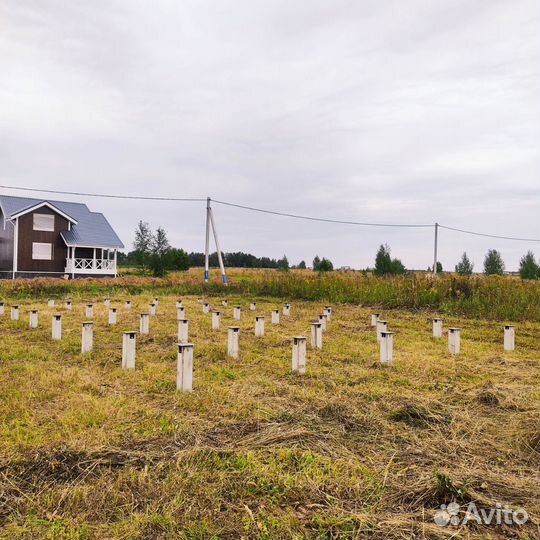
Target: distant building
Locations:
point(39, 237)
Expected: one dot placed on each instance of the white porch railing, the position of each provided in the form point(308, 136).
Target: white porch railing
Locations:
point(90, 266)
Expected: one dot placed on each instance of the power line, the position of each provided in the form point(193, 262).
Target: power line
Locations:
point(272, 212)
point(325, 220)
point(103, 195)
point(490, 235)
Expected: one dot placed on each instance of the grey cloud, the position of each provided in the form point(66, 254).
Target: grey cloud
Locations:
point(370, 111)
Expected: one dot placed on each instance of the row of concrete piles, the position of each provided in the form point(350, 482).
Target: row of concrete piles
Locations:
point(185, 349)
point(386, 338)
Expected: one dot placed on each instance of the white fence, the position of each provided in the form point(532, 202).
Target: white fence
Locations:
point(90, 266)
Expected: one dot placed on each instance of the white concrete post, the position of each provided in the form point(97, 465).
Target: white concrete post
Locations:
point(382, 326)
point(387, 347)
point(33, 319)
point(299, 354)
point(437, 328)
point(259, 326)
point(2, 308)
point(323, 319)
point(184, 367)
point(179, 304)
point(152, 309)
point(286, 309)
point(87, 336)
point(180, 313)
point(89, 311)
point(50, 303)
point(275, 316)
point(316, 335)
point(224, 303)
point(236, 313)
point(509, 338)
point(183, 330)
point(144, 324)
point(127, 305)
point(68, 305)
point(14, 313)
point(112, 315)
point(57, 327)
point(129, 346)
point(374, 319)
point(253, 306)
point(216, 317)
point(232, 341)
point(454, 340)
point(206, 307)
point(107, 302)
point(328, 312)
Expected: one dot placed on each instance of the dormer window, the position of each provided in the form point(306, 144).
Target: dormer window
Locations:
point(44, 222)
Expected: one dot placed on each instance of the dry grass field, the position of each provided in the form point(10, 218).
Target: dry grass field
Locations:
point(351, 449)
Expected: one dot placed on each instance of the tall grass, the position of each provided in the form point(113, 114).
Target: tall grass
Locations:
point(479, 296)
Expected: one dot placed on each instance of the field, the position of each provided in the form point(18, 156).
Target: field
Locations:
point(351, 449)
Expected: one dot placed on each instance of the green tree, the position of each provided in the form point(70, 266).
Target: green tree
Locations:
point(142, 244)
point(316, 263)
point(302, 265)
point(464, 267)
point(528, 268)
point(325, 265)
point(397, 267)
point(160, 246)
point(283, 264)
point(383, 261)
point(176, 259)
point(493, 263)
point(384, 264)
point(439, 267)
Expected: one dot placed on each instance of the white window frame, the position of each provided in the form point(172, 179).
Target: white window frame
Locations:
point(48, 218)
point(43, 256)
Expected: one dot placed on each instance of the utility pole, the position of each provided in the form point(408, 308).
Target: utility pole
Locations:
point(211, 223)
point(435, 249)
point(220, 258)
point(207, 247)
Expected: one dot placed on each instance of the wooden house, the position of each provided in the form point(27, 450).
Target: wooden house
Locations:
point(40, 237)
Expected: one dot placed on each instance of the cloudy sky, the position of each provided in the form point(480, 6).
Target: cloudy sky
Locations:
point(382, 111)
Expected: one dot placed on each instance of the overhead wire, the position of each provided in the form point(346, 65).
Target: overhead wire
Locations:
point(271, 212)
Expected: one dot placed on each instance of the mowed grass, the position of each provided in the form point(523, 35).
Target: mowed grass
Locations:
point(351, 449)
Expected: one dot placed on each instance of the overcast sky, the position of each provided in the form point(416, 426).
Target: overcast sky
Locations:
point(381, 111)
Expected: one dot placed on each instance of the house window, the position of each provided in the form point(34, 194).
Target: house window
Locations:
point(42, 251)
point(43, 222)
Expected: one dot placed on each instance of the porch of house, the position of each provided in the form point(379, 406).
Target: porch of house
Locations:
point(91, 261)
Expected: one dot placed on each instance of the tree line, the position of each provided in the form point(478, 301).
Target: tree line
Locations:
point(152, 252)
point(494, 265)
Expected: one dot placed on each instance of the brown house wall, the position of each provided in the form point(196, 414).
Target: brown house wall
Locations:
point(27, 236)
point(6, 244)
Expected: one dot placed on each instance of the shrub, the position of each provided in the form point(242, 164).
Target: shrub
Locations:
point(528, 268)
point(385, 265)
point(493, 263)
point(325, 265)
point(464, 267)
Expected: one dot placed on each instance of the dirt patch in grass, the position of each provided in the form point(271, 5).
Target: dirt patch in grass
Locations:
point(349, 418)
point(418, 415)
point(489, 395)
point(67, 465)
